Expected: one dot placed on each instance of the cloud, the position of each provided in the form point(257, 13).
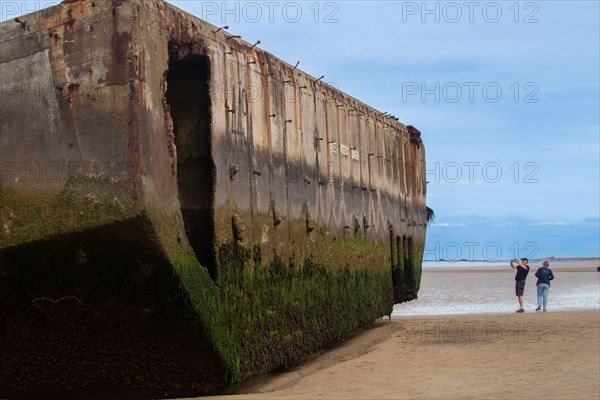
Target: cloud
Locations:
point(448, 225)
point(523, 221)
point(592, 220)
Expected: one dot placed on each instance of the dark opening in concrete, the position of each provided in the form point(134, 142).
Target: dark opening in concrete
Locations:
point(409, 270)
point(188, 97)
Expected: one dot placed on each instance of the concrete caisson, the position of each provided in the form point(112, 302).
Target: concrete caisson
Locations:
point(181, 210)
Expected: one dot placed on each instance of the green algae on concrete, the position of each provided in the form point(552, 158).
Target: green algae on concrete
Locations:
point(81, 204)
point(271, 315)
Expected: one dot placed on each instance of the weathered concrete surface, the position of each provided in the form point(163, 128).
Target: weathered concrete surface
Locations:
point(304, 151)
point(137, 144)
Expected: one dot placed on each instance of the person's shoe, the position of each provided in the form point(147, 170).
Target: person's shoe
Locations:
point(538, 309)
point(545, 310)
point(520, 310)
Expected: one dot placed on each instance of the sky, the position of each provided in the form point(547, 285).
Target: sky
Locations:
point(506, 95)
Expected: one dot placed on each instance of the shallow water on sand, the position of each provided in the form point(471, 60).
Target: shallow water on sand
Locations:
point(471, 291)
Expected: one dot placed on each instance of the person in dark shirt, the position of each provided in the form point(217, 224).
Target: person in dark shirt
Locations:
point(544, 275)
point(522, 271)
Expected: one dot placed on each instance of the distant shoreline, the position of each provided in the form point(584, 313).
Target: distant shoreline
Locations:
point(556, 264)
point(556, 259)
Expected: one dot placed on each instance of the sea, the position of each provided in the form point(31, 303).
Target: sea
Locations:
point(480, 287)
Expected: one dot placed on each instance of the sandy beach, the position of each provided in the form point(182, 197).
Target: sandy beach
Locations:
point(520, 356)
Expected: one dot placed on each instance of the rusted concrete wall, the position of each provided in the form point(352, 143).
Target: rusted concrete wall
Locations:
point(305, 153)
point(83, 90)
point(67, 114)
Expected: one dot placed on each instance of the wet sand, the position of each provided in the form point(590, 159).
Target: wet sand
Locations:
point(553, 355)
point(493, 292)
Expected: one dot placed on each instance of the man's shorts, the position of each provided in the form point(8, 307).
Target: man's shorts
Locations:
point(520, 287)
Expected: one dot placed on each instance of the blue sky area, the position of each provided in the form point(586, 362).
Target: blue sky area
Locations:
point(506, 95)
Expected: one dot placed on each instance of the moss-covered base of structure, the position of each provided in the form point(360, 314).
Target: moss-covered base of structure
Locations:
point(100, 314)
point(271, 315)
point(80, 318)
point(283, 291)
point(121, 307)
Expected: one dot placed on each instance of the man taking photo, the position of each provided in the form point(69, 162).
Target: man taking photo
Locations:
point(522, 268)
